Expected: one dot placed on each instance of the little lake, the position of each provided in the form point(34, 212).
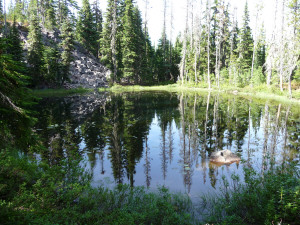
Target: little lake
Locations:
point(161, 138)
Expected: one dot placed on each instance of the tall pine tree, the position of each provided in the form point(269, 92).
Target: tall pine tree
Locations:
point(245, 48)
point(129, 44)
point(67, 45)
point(36, 47)
point(98, 20)
point(86, 28)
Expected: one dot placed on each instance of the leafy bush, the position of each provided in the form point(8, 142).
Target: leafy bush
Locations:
point(271, 198)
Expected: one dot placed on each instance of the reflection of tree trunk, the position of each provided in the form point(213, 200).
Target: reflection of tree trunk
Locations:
point(117, 146)
point(275, 134)
point(184, 153)
point(206, 120)
point(215, 123)
point(170, 140)
point(266, 137)
point(182, 70)
point(102, 161)
point(164, 153)
point(194, 132)
point(285, 153)
point(249, 134)
point(147, 165)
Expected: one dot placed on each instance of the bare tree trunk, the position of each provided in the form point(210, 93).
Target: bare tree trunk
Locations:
point(171, 36)
point(281, 48)
point(164, 38)
point(270, 56)
point(208, 44)
point(182, 71)
point(192, 28)
point(113, 41)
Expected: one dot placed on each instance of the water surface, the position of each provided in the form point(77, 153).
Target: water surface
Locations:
point(161, 138)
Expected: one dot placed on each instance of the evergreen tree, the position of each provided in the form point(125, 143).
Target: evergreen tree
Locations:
point(129, 43)
point(49, 18)
point(67, 45)
point(98, 20)
point(14, 47)
point(36, 48)
point(86, 29)
point(105, 50)
point(245, 48)
point(51, 56)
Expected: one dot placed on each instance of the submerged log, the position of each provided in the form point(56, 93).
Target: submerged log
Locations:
point(224, 156)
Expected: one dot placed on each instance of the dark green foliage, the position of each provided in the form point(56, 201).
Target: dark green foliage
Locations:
point(86, 29)
point(245, 48)
point(167, 61)
point(98, 20)
point(14, 120)
point(129, 43)
point(51, 56)
point(49, 17)
point(35, 49)
point(14, 47)
point(67, 45)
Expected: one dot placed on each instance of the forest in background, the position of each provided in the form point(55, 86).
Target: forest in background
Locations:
point(212, 51)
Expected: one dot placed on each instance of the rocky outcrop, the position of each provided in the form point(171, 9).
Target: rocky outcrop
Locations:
point(85, 70)
point(224, 156)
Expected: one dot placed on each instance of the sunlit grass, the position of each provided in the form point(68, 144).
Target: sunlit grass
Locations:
point(59, 92)
point(260, 92)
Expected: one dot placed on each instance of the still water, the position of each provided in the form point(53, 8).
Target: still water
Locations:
point(160, 138)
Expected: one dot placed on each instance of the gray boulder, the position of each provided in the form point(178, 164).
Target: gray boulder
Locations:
point(224, 156)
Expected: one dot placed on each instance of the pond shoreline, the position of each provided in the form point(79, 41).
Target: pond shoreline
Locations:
point(244, 92)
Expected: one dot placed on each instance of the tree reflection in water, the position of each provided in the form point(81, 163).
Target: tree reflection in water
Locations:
point(160, 138)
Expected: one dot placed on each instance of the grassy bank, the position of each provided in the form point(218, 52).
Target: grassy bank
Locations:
point(59, 92)
point(35, 193)
point(260, 92)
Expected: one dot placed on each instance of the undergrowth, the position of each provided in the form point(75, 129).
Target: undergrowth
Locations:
point(36, 193)
point(269, 198)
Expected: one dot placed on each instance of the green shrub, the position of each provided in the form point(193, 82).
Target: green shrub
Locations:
point(270, 198)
